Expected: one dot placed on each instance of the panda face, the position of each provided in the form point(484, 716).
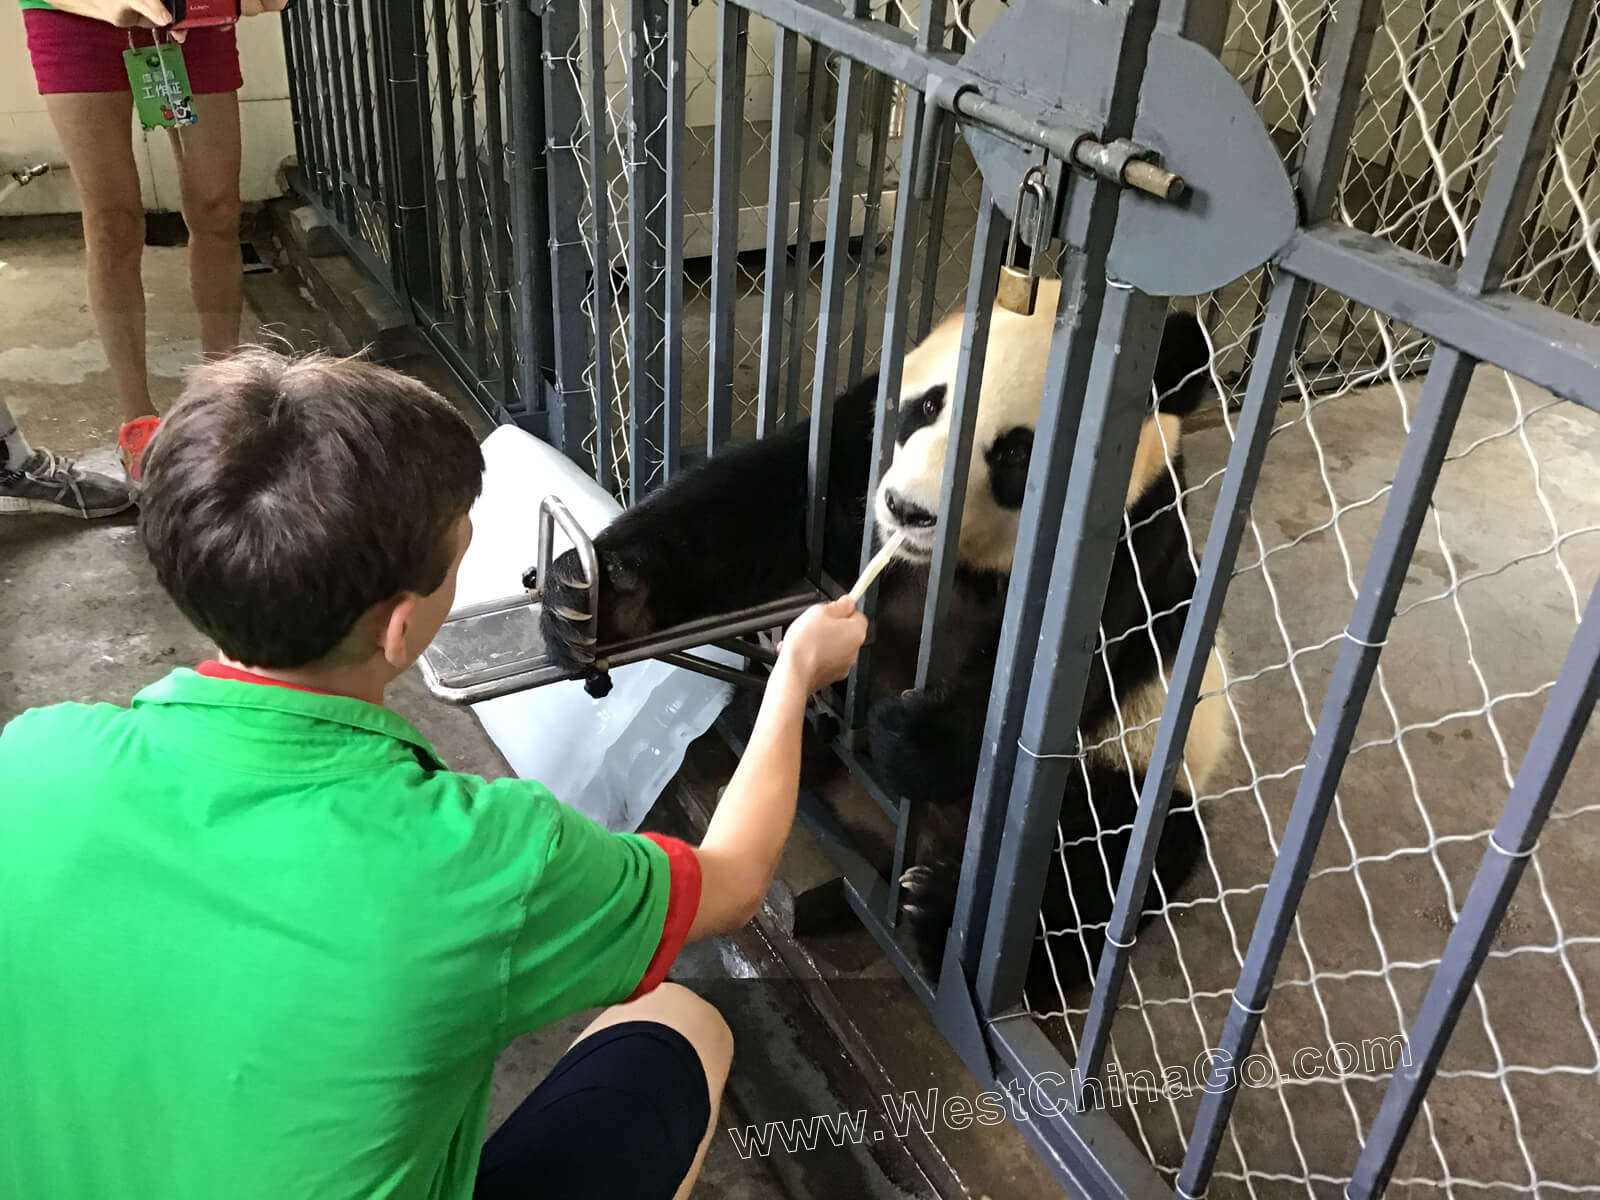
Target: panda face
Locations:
point(908, 496)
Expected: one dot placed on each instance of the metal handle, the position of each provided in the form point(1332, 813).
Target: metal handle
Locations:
point(553, 512)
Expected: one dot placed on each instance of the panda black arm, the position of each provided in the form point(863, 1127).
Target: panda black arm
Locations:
point(725, 534)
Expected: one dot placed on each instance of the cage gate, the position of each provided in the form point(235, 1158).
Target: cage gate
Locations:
point(643, 228)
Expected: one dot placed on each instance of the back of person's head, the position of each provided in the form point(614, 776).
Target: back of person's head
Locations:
point(285, 497)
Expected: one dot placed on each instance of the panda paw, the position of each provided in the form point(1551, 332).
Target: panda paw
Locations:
point(570, 636)
point(927, 906)
point(922, 749)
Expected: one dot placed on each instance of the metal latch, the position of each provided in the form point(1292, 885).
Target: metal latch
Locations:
point(1122, 161)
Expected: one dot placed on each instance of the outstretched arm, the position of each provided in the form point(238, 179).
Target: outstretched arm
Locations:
point(740, 850)
point(726, 534)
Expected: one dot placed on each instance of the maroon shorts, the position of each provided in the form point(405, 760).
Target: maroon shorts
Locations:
point(79, 54)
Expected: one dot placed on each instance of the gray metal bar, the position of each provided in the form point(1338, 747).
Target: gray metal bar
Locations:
point(447, 191)
point(672, 325)
point(784, 47)
point(1545, 347)
point(938, 207)
point(1117, 396)
point(411, 150)
point(831, 319)
point(1327, 147)
point(882, 94)
point(1066, 371)
point(1083, 287)
point(371, 102)
point(334, 193)
point(563, 110)
point(601, 290)
point(299, 65)
point(1285, 315)
point(810, 132)
point(383, 100)
point(1418, 470)
point(733, 44)
point(1407, 506)
point(345, 118)
point(470, 331)
point(988, 244)
point(1088, 1149)
point(1566, 714)
point(685, 661)
point(647, 117)
point(529, 285)
point(1524, 143)
point(897, 309)
point(497, 201)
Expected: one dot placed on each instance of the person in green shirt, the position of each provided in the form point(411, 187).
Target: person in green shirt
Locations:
point(257, 940)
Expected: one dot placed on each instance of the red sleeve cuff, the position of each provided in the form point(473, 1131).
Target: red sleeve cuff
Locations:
point(683, 901)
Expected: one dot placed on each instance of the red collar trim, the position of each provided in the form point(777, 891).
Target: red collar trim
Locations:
point(212, 669)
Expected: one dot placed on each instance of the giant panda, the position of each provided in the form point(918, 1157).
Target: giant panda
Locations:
point(729, 533)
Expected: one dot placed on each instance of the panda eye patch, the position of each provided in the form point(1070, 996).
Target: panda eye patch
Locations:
point(920, 411)
point(1008, 457)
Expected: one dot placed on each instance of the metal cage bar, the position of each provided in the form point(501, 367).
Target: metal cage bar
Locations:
point(784, 49)
point(891, 361)
point(733, 47)
point(831, 317)
point(410, 141)
point(672, 324)
point(988, 245)
point(528, 348)
point(569, 268)
point(335, 151)
point(882, 95)
point(447, 193)
point(810, 131)
point(989, 919)
point(647, 244)
point(497, 200)
point(469, 328)
point(1116, 396)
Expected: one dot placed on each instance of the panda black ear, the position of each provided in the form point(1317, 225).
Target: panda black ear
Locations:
point(1181, 376)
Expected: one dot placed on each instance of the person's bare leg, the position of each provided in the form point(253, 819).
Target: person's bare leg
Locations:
point(207, 154)
point(702, 1026)
point(96, 131)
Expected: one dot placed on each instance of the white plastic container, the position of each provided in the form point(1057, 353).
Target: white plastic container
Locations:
point(609, 758)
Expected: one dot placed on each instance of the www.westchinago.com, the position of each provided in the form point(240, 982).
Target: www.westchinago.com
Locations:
point(1049, 1094)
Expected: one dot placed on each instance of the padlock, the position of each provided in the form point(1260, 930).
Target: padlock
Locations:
point(1018, 289)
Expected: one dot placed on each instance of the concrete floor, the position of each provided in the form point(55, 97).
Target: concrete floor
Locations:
point(81, 616)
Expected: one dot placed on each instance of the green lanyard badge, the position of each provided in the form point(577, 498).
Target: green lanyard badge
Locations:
point(160, 85)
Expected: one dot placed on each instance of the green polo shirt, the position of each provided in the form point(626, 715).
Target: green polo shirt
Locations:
point(260, 942)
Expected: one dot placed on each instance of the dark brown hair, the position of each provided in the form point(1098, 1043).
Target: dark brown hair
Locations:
point(284, 497)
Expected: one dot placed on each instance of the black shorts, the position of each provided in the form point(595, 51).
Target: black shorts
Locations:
point(622, 1115)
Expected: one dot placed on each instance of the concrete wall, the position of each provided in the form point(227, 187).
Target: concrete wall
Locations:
point(27, 138)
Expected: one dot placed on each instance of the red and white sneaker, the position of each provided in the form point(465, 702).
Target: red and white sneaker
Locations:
point(131, 441)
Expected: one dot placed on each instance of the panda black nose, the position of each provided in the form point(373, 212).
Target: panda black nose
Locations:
point(913, 516)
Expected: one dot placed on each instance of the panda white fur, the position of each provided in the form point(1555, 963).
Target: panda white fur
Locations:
point(730, 533)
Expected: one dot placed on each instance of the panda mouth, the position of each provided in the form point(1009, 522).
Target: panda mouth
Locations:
point(916, 544)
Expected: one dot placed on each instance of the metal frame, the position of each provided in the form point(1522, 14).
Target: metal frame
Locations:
point(556, 374)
